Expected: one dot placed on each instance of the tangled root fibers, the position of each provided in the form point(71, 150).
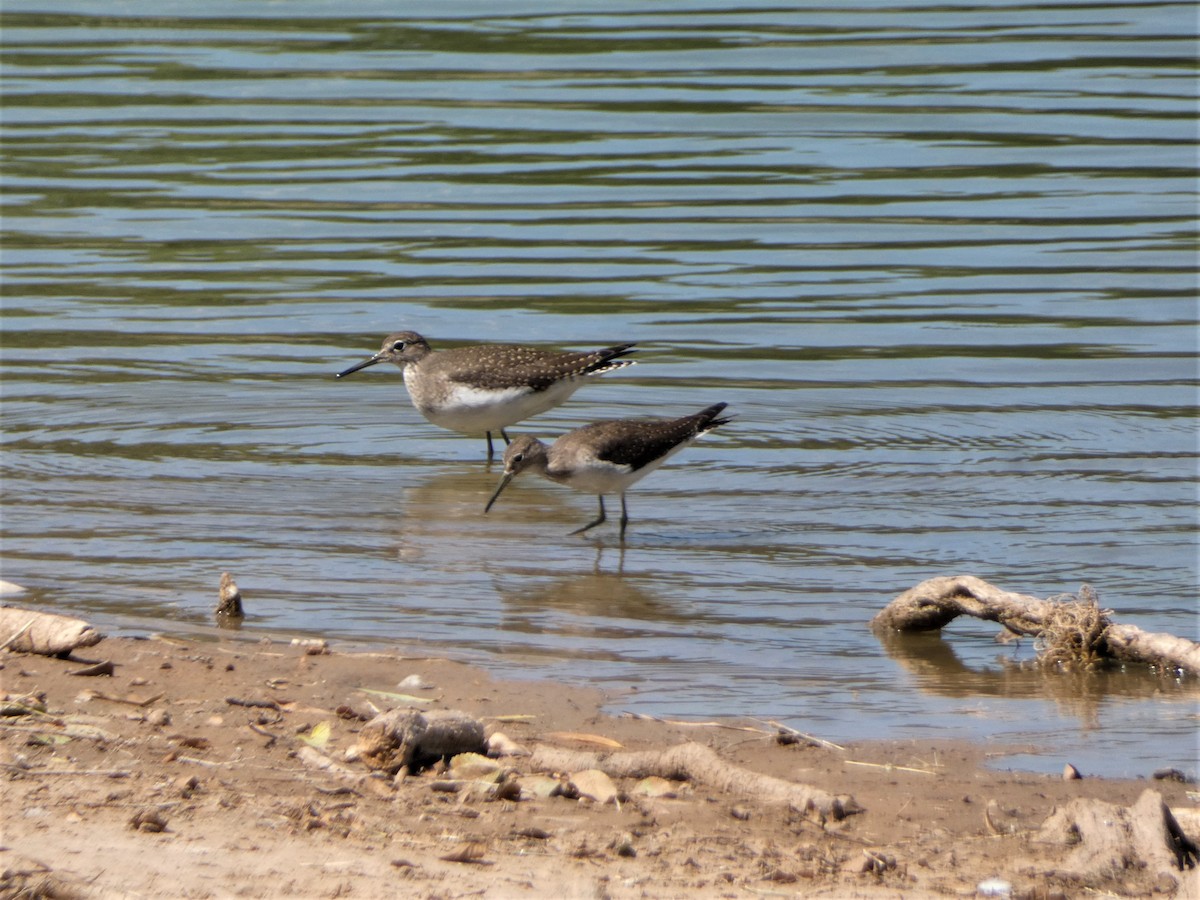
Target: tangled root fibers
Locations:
point(1073, 634)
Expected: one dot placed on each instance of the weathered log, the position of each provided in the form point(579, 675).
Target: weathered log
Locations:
point(1073, 629)
point(701, 765)
point(404, 737)
point(47, 634)
point(449, 732)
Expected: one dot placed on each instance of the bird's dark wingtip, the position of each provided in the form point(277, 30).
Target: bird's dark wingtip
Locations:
point(712, 417)
point(618, 350)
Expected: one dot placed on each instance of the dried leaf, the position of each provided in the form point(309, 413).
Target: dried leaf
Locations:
point(318, 737)
point(585, 739)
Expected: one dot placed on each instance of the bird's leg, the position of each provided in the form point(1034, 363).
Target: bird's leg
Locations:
point(624, 518)
point(592, 524)
point(504, 434)
point(491, 449)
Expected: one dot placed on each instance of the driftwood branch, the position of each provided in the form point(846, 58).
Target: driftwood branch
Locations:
point(26, 631)
point(701, 765)
point(1073, 629)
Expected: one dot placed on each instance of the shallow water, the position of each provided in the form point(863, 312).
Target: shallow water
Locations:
point(939, 261)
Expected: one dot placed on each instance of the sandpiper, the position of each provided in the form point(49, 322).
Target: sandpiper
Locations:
point(487, 387)
point(606, 457)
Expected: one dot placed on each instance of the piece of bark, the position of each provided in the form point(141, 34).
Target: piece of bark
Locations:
point(47, 634)
point(1115, 839)
point(406, 737)
point(936, 602)
point(699, 764)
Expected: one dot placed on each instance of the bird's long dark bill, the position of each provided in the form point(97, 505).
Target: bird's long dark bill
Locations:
point(508, 476)
point(362, 365)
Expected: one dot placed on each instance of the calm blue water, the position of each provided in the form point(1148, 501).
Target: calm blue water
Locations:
point(940, 261)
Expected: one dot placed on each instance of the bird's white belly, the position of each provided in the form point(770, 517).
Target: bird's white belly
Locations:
point(469, 410)
point(596, 477)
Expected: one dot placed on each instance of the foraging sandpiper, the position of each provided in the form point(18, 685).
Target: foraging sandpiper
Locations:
point(606, 457)
point(487, 387)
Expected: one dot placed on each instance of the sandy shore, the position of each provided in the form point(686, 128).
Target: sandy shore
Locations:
point(159, 781)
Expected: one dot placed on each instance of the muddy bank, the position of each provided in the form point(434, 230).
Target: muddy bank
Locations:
point(220, 768)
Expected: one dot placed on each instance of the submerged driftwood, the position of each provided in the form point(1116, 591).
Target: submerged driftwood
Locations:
point(1072, 630)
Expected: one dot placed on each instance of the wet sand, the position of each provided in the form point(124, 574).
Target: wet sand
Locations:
point(186, 773)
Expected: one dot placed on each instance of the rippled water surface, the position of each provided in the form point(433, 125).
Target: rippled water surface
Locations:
point(938, 260)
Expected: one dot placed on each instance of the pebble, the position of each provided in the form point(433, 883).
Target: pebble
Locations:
point(540, 786)
point(473, 767)
point(655, 786)
point(148, 820)
point(622, 844)
point(594, 784)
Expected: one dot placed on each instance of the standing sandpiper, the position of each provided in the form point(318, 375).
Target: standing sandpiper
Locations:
point(607, 457)
point(487, 387)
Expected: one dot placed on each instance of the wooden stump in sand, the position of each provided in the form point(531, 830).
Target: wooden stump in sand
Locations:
point(1144, 839)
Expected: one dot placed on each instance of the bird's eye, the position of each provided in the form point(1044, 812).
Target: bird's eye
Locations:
point(517, 457)
point(398, 346)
